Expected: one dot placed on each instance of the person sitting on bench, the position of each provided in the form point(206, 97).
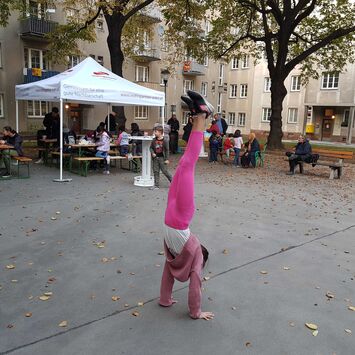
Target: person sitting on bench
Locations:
point(13, 139)
point(303, 152)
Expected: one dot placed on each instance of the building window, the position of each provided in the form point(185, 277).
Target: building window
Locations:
point(100, 25)
point(231, 118)
point(330, 80)
point(188, 85)
point(213, 86)
point(142, 73)
point(243, 90)
point(292, 115)
point(141, 112)
point(73, 61)
point(205, 61)
point(36, 108)
point(100, 60)
point(267, 84)
point(221, 75)
point(266, 114)
point(35, 58)
point(345, 121)
point(245, 61)
point(241, 119)
point(185, 117)
point(204, 86)
point(235, 63)
point(295, 83)
point(233, 91)
point(219, 103)
point(1, 105)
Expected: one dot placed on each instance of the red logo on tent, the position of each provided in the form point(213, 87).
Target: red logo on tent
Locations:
point(100, 73)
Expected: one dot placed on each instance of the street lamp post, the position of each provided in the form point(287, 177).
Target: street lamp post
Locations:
point(165, 74)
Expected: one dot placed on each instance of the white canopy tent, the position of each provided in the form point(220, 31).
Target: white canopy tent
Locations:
point(87, 82)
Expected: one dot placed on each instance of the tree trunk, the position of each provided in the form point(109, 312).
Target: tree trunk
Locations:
point(278, 94)
point(115, 23)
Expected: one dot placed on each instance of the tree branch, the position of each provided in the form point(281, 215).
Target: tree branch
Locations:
point(341, 32)
point(137, 8)
point(298, 36)
point(308, 10)
point(275, 11)
point(89, 22)
point(268, 44)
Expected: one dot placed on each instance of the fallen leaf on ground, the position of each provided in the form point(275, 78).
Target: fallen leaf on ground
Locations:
point(48, 293)
point(286, 268)
point(291, 324)
point(329, 295)
point(115, 298)
point(63, 324)
point(126, 305)
point(351, 308)
point(225, 251)
point(263, 272)
point(28, 314)
point(348, 331)
point(247, 344)
point(206, 278)
point(311, 326)
point(58, 212)
point(135, 314)
point(10, 266)
point(53, 218)
point(161, 253)
point(44, 298)
point(10, 326)
point(14, 281)
point(315, 333)
point(140, 304)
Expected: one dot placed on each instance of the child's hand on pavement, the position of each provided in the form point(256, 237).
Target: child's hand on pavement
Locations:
point(206, 315)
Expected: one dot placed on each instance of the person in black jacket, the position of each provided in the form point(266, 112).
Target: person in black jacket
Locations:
point(136, 144)
point(174, 133)
point(221, 123)
point(303, 152)
point(48, 121)
point(187, 130)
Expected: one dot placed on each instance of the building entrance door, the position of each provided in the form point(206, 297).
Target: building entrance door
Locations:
point(327, 129)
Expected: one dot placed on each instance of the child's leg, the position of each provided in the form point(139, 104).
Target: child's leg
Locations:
point(156, 170)
point(164, 169)
point(181, 207)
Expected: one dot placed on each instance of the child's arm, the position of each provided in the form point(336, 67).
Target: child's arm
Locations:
point(152, 151)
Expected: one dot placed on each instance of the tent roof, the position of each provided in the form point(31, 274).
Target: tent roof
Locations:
point(90, 82)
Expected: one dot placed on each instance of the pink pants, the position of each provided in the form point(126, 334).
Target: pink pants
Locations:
point(181, 206)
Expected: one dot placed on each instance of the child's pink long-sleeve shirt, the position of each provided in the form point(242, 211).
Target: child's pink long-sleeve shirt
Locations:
point(187, 265)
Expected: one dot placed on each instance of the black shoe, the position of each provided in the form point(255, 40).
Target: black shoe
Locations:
point(197, 103)
point(5, 175)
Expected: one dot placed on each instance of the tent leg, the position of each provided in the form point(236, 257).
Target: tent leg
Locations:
point(61, 147)
point(17, 125)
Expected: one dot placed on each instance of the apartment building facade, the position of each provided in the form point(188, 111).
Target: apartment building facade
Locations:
point(239, 90)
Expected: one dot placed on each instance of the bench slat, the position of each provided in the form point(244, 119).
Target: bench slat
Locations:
point(22, 159)
point(87, 158)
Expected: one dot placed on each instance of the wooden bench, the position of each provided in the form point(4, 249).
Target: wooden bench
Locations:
point(22, 161)
point(331, 158)
point(84, 162)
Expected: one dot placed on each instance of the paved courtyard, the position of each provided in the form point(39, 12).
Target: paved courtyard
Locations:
point(80, 264)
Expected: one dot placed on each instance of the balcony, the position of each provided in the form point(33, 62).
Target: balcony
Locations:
point(193, 68)
point(150, 85)
point(32, 74)
point(35, 27)
point(146, 55)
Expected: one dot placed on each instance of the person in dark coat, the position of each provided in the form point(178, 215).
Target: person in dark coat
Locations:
point(303, 152)
point(48, 120)
point(136, 144)
point(174, 133)
point(187, 130)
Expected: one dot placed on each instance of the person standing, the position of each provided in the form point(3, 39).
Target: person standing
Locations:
point(160, 154)
point(238, 143)
point(221, 123)
point(48, 121)
point(174, 133)
point(111, 123)
point(187, 130)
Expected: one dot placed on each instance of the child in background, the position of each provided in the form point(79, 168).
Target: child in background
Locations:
point(238, 143)
point(123, 141)
point(103, 147)
point(160, 154)
point(215, 145)
point(228, 145)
